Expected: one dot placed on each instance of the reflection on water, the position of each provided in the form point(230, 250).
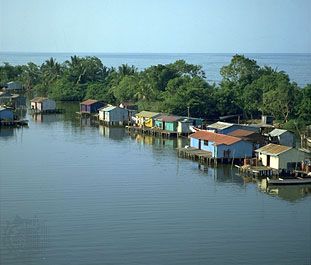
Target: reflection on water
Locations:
point(289, 193)
point(114, 198)
point(6, 132)
point(114, 133)
point(47, 118)
point(170, 143)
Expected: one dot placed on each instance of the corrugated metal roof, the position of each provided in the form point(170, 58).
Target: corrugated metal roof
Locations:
point(273, 149)
point(89, 102)
point(38, 99)
point(241, 133)
point(147, 114)
point(4, 108)
point(215, 137)
point(220, 125)
point(169, 118)
point(109, 108)
point(277, 132)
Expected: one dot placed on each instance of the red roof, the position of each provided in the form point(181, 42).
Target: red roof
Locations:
point(89, 102)
point(241, 133)
point(217, 138)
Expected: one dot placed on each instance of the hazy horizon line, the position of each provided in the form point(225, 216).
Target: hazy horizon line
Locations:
point(88, 52)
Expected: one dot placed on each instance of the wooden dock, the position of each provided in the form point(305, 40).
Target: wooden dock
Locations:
point(152, 131)
point(257, 171)
point(192, 153)
point(204, 157)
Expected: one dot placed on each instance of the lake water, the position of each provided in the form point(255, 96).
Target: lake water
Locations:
point(297, 66)
point(73, 193)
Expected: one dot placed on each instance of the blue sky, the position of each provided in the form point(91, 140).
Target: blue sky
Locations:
point(224, 26)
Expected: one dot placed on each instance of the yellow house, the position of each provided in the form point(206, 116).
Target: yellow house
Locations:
point(280, 156)
point(146, 118)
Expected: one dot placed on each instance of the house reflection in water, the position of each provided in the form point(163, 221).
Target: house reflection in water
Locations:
point(171, 143)
point(6, 132)
point(114, 133)
point(46, 118)
point(289, 193)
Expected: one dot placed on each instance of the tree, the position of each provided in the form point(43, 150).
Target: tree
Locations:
point(281, 100)
point(30, 75)
point(304, 108)
point(183, 92)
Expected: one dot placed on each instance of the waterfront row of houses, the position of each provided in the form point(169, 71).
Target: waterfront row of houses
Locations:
point(275, 150)
point(127, 114)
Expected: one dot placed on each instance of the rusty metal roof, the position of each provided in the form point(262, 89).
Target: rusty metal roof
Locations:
point(169, 118)
point(89, 102)
point(241, 133)
point(273, 149)
point(217, 138)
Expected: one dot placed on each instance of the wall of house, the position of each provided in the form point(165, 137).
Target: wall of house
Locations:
point(240, 149)
point(209, 147)
point(6, 114)
point(48, 105)
point(118, 115)
point(159, 124)
point(291, 156)
point(94, 107)
point(171, 126)
point(238, 127)
point(183, 127)
point(196, 143)
point(287, 139)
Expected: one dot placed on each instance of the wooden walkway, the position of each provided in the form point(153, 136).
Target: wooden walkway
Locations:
point(257, 171)
point(192, 153)
point(152, 131)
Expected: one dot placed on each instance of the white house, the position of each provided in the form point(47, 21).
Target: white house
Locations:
point(114, 115)
point(43, 104)
point(282, 137)
point(280, 156)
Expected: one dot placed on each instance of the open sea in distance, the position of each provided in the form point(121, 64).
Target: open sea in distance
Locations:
point(297, 66)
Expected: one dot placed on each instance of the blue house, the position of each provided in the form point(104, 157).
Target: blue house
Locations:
point(220, 145)
point(6, 114)
point(90, 106)
point(225, 127)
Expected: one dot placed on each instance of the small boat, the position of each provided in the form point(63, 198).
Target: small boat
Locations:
point(289, 181)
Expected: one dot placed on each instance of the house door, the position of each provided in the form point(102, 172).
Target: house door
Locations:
point(199, 144)
point(268, 161)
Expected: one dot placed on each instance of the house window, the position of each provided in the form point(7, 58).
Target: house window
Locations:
point(205, 142)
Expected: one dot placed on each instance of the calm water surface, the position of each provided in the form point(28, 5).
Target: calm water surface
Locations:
point(71, 193)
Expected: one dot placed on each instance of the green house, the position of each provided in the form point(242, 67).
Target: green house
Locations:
point(167, 122)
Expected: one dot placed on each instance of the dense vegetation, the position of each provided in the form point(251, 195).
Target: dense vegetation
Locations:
point(245, 87)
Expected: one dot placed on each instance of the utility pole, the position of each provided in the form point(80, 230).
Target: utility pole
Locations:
point(188, 112)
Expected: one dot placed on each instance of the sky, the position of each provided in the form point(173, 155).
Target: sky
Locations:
point(156, 26)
